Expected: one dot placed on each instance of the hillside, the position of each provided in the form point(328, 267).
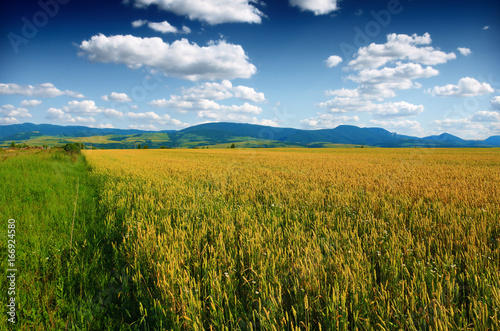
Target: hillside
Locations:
point(222, 134)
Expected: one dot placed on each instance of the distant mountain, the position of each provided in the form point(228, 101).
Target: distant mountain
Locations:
point(58, 130)
point(493, 141)
point(249, 135)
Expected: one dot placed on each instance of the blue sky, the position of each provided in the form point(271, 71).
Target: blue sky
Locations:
point(411, 67)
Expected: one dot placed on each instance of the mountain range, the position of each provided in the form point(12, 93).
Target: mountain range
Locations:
point(221, 134)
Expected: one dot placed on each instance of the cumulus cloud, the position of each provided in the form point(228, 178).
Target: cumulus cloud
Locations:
point(495, 103)
point(464, 51)
point(139, 23)
point(203, 96)
point(383, 69)
point(87, 107)
point(152, 117)
point(210, 11)
point(104, 126)
point(318, 7)
point(206, 105)
point(59, 115)
point(31, 103)
point(8, 120)
point(459, 126)
point(402, 126)
point(479, 125)
point(327, 121)
point(223, 90)
point(10, 114)
point(486, 27)
point(47, 90)
point(144, 127)
point(84, 108)
point(485, 116)
point(163, 27)
point(398, 109)
point(399, 47)
point(217, 116)
point(388, 109)
point(333, 61)
point(466, 87)
point(117, 97)
point(381, 83)
point(344, 104)
point(343, 92)
point(182, 59)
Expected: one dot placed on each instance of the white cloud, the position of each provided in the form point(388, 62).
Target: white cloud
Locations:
point(85, 120)
point(399, 47)
point(343, 92)
point(163, 27)
point(210, 11)
point(248, 93)
point(182, 59)
point(144, 127)
point(411, 57)
point(327, 121)
point(318, 7)
point(479, 125)
point(333, 61)
point(217, 116)
point(149, 117)
point(86, 107)
point(401, 127)
point(152, 117)
point(105, 126)
point(30, 103)
point(459, 126)
point(47, 90)
point(59, 115)
point(485, 116)
point(388, 109)
point(343, 104)
point(8, 120)
point(203, 96)
point(111, 113)
point(398, 109)
point(381, 83)
point(139, 23)
point(486, 27)
point(464, 51)
point(466, 87)
point(495, 103)
point(9, 111)
point(118, 97)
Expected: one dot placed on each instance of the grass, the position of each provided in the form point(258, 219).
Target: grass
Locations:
point(58, 288)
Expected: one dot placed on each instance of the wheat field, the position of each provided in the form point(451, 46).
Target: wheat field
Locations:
point(306, 239)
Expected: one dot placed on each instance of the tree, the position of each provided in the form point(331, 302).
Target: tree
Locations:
point(139, 146)
point(233, 146)
point(12, 145)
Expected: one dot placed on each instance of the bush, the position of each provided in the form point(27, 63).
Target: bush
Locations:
point(73, 147)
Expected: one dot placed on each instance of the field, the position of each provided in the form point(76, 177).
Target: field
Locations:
point(254, 239)
point(308, 239)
